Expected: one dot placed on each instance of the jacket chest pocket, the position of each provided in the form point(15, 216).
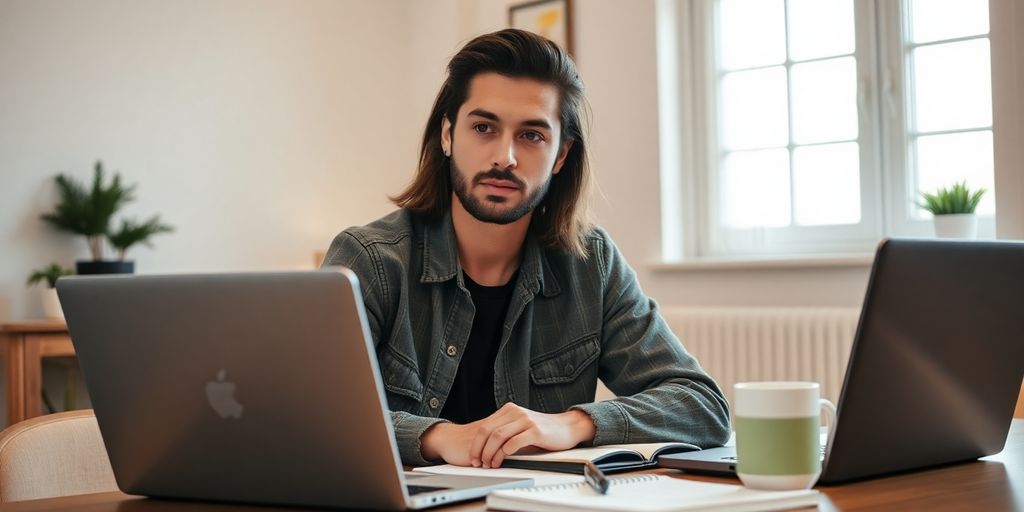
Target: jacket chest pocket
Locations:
point(401, 381)
point(567, 376)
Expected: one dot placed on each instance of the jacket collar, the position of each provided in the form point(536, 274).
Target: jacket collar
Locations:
point(441, 259)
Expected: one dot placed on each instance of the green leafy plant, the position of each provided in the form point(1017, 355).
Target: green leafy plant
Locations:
point(132, 233)
point(49, 274)
point(956, 199)
point(89, 211)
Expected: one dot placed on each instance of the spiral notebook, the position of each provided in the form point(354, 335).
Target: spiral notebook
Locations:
point(649, 492)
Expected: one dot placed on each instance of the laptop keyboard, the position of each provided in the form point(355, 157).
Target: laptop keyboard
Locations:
point(420, 489)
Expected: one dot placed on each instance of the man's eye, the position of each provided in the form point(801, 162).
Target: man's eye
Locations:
point(533, 136)
point(481, 128)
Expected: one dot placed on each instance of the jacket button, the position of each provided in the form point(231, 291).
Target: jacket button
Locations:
point(434, 402)
point(569, 368)
point(452, 350)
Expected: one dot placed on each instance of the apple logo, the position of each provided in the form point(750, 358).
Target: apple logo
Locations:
point(221, 395)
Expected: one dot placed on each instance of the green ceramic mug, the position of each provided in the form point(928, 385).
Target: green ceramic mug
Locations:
point(778, 433)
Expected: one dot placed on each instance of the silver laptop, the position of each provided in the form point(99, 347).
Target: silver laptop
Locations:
point(936, 365)
point(257, 388)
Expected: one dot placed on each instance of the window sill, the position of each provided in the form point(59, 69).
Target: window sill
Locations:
point(766, 262)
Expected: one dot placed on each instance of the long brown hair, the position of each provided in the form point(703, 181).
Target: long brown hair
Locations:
point(563, 216)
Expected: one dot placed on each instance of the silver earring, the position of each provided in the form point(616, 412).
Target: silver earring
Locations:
point(447, 153)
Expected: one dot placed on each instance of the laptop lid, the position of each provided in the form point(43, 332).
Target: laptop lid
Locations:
point(937, 360)
point(255, 387)
point(936, 364)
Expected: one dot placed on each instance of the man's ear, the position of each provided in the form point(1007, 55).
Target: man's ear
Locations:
point(446, 135)
point(562, 154)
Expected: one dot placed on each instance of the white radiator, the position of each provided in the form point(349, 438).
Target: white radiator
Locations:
point(749, 344)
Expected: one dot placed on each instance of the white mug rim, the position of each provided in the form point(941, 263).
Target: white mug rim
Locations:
point(777, 385)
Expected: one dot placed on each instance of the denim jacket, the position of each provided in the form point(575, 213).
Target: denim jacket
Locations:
point(571, 321)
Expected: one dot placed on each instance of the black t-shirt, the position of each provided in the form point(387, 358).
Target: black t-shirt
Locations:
point(472, 395)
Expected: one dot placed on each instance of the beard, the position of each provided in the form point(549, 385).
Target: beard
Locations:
point(489, 209)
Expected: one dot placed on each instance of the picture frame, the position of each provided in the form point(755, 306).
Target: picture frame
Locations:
point(549, 18)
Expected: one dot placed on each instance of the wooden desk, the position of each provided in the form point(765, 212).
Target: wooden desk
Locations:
point(26, 343)
point(995, 483)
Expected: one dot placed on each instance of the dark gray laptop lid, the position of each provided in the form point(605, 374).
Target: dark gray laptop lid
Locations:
point(937, 361)
point(238, 387)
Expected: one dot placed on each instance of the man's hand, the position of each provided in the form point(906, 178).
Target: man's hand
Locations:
point(513, 428)
point(510, 429)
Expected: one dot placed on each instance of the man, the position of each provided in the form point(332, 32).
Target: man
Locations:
point(494, 304)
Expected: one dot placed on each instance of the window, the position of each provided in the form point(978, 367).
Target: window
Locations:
point(948, 102)
point(821, 121)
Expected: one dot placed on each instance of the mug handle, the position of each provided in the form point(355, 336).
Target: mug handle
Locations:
point(830, 420)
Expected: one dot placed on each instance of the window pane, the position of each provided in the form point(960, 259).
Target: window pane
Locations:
point(820, 28)
point(943, 160)
point(826, 184)
point(754, 109)
point(755, 189)
point(953, 86)
point(752, 33)
point(825, 101)
point(933, 20)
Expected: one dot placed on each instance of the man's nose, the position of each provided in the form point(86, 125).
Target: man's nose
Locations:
point(504, 154)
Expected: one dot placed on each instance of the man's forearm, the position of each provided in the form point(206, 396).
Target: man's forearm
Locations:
point(430, 441)
point(673, 411)
point(581, 425)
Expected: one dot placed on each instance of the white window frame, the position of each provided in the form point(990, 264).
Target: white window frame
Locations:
point(886, 176)
point(896, 79)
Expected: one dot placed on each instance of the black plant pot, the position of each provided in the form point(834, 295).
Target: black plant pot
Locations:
point(85, 267)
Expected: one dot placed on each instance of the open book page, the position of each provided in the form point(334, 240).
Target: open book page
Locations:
point(650, 493)
point(639, 452)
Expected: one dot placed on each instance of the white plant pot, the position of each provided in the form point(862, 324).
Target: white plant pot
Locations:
point(957, 225)
point(51, 304)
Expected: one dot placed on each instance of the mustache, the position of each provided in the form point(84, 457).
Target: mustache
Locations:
point(498, 174)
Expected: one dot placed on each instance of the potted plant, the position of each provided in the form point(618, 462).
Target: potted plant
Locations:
point(953, 210)
point(90, 211)
point(50, 274)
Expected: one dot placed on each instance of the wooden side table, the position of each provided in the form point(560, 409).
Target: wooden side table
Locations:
point(25, 345)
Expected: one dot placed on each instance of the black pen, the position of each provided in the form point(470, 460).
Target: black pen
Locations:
point(595, 477)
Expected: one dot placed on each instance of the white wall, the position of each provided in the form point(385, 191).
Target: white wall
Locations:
point(1007, 25)
point(258, 128)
